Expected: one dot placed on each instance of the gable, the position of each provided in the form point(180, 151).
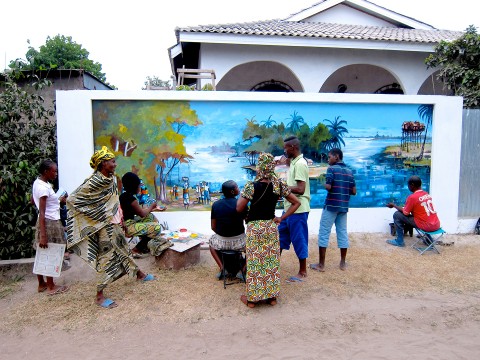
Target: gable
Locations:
point(358, 12)
point(347, 15)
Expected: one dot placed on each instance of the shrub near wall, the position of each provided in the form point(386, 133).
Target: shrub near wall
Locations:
point(26, 138)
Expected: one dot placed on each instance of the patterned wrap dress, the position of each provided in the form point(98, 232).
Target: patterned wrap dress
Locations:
point(92, 235)
point(262, 243)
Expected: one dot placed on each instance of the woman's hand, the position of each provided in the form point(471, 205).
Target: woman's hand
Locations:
point(277, 220)
point(63, 198)
point(159, 208)
point(43, 243)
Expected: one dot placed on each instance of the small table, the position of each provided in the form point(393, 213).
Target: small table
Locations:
point(184, 253)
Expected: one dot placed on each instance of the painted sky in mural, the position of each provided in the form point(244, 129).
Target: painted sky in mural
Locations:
point(204, 142)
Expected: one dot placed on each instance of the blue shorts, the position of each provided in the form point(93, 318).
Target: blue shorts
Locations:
point(294, 230)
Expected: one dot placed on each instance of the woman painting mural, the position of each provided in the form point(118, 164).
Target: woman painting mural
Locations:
point(94, 230)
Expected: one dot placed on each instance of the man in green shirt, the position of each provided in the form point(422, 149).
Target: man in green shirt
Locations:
point(294, 229)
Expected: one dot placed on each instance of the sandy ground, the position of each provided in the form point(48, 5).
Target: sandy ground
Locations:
point(391, 303)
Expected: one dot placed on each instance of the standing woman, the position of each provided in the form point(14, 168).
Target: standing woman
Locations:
point(262, 244)
point(94, 230)
point(49, 228)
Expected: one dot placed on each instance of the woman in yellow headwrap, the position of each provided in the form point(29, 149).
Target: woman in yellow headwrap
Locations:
point(262, 244)
point(94, 229)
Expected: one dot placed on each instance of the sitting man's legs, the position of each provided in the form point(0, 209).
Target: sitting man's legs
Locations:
point(400, 220)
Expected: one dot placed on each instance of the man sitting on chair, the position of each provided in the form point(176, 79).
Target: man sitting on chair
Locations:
point(418, 212)
point(227, 224)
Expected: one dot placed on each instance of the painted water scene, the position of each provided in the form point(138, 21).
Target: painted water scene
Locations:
point(184, 150)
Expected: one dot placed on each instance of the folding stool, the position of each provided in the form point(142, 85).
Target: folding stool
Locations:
point(429, 239)
point(232, 263)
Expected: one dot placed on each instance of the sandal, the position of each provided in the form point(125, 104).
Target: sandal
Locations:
point(59, 290)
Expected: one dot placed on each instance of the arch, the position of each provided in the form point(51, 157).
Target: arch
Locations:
point(433, 86)
point(259, 75)
point(272, 85)
point(362, 79)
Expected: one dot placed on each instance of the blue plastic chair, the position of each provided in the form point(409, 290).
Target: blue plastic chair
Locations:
point(429, 239)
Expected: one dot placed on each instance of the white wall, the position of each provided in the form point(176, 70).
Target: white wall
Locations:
point(313, 66)
point(75, 147)
point(348, 15)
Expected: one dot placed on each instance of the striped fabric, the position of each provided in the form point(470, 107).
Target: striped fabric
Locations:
point(91, 234)
point(340, 177)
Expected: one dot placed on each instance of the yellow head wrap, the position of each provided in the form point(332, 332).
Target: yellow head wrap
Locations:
point(99, 156)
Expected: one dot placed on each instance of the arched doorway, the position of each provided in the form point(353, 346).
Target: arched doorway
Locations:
point(260, 76)
point(273, 86)
point(361, 79)
point(433, 86)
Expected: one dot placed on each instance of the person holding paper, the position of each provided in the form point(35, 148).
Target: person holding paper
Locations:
point(48, 228)
point(94, 227)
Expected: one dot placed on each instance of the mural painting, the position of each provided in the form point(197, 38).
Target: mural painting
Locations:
point(184, 150)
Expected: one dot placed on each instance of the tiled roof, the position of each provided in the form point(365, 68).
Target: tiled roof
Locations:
point(326, 31)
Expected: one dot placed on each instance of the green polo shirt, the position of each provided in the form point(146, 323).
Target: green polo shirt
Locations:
point(298, 171)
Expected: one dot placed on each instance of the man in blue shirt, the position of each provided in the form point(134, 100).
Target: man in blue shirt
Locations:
point(340, 184)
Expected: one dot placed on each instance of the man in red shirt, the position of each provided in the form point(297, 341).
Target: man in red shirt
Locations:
point(418, 212)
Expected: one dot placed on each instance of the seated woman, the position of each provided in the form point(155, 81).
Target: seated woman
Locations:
point(227, 223)
point(139, 221)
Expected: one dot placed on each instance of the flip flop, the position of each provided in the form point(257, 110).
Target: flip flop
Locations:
point(293, 279)
point(316, 268)
point(59, 290)
point(149, 277)
point(108, 304)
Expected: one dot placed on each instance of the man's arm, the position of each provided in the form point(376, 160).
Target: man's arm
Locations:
point(392, 205)
point(299, 188)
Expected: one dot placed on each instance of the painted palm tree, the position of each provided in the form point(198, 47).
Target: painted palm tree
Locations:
point(337, 131)
point(426, 114)
point(251, 121)
point(269, 122)
point(295, 121)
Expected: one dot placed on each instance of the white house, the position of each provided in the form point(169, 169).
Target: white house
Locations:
point(351, 46)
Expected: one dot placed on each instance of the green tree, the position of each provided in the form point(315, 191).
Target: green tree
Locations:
point(155, 81)
point(459, 61)
point(27, 136)
point(59, 52)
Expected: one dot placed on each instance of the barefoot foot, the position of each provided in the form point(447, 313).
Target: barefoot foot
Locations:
point(272, 301)
point(244, 300)
point(343, 266)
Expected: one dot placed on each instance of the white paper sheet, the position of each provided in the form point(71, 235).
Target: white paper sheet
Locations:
point(48, 262)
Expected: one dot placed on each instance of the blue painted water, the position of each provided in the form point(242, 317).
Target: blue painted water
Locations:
point(378, 180)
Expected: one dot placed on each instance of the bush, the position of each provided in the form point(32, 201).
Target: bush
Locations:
point(27, 136)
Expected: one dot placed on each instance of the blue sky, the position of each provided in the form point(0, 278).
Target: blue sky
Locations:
point(228, 119)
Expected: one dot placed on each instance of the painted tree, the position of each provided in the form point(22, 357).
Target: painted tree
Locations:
point(337, 131)
point(295, 122)
point(426, 114)
point(269, 122)
point(158, 130)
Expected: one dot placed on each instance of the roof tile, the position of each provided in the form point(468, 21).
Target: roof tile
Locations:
point(326, 30)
